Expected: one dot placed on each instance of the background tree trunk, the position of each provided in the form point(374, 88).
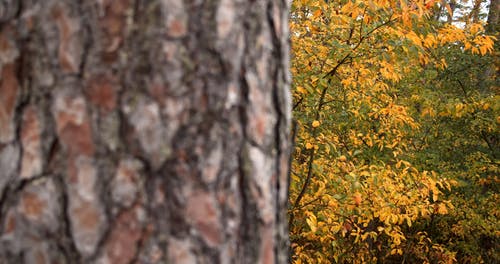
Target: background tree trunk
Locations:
point(493, 12)
point(143, 131)
point(488, 79)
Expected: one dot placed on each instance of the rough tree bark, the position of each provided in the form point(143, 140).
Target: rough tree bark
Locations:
point(143, 131)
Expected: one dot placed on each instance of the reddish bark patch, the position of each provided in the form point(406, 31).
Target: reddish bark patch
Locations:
point(113, 26)
point(202, 211)
point(260, 126)
point(113, 21)
point(177, 28)
point(78, 139)
point(158, 92)
point(30, 139)
point(83, 177)
point(30, 124)
point(86, 216)
point(32, 205)
point(8, 89)
point(182, 155)
point(126, 182)
point(73, 126)
point(10, 222)
point(101, 91)
point(123, 241)
point(5, 46)
point(267, 248)
point(67, 28)
point(40, 257)
point(72, 171)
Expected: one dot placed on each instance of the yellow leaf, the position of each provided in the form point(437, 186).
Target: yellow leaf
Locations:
point(467, 46)
point(364, 173)
point(408, 221)
point(448, 7)
point(443, 62)
point(309, 145)
point(301, 90)
point(357, 198)
point(442, 209)
point(317, 13)
point(483, 50)
point(311, 222)
point(315, 123)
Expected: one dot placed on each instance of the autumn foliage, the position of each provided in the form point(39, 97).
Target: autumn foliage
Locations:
point(397, 140)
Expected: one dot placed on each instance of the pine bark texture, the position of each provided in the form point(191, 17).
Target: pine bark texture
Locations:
point(144, 131)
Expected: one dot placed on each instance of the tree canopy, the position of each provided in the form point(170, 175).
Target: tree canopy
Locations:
point(397, 146)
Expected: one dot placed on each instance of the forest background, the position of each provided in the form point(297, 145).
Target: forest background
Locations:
point(397, 139)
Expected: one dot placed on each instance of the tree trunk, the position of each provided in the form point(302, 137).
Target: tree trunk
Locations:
point(493, 13)
point(450, 7)
point(474, 13)
point(144, 131)
point(488, 78)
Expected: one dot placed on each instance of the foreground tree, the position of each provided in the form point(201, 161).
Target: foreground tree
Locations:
point(148, 131)
point(389, 132)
